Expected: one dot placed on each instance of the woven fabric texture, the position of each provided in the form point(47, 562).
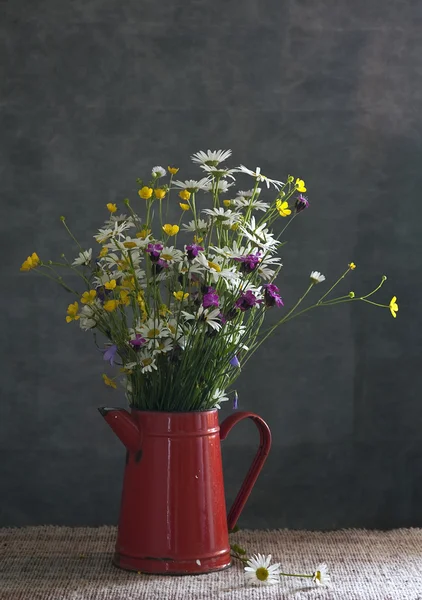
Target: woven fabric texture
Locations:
point(62, 563)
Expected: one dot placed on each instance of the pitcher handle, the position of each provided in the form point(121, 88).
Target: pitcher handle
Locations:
point(257, 464)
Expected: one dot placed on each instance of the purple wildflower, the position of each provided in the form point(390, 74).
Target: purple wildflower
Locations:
point(249, 262)
point(137, 342)
point(210, 298)
point(272, 295)
point(235, 400)
point(235, 362)
point(192, 251)
point(159, 265)
point(301, 203)
point(154, 251)
point(222, 319)
point(110, 353)
point(247, 300)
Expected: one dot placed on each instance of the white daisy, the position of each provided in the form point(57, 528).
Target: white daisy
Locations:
point(259, 235)
point(152, 330)
point(265, 272)
point(191, 185)
point(235, 251)
point(259, 177)
point(211, 157)
point(117, 219)
point(317, 277)
point(321, 575)
point(218, 171)
point(163, 346)
point(103, 235)
point(200, 225)
point(214, 267)
point(147, 364)
point(228, 217)
point(84, 258)
point(222, 186)
point(217, 397)
point(260, 572)
point(249, 193)
point(171, 254)
point(87, 320)
point(242, 202)
point(158, 172)
point(210, 317)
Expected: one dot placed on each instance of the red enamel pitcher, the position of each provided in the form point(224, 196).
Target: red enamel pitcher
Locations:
point(173, 511)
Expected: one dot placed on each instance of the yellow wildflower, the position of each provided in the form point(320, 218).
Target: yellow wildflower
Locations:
point(129, 282)
point(110, 285)
point(159, 193)
point(164, 310)
point(104, 252)
point(234, 227)
point(227, 202)
point(181, 296)
point(171, 229)
point(172, 170)
point(394, 307)
point(111, 305)
point(108, 381)
point(111, 207)
point(283, 208)
point(72, 312)
point(124, 297)
point(145, 192)
point(184, 206)
point(88, 297)
point(143, 233)
point(129, 244)
point(31, 262)
point(197, 240)
point(352, 266)
point(184, 194)
point(300, 185)
point(214, 266)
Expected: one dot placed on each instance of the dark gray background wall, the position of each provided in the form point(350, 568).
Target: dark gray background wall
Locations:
point(96, 92)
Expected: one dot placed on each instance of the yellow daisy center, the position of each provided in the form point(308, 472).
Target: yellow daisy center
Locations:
point(214, 266)
point(146, 361)
point(152, 333)
point(262, 574)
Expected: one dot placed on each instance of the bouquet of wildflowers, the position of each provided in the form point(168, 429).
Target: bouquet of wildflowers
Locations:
point(180, 303)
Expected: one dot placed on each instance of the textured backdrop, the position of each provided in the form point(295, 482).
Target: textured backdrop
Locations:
point(96, 92)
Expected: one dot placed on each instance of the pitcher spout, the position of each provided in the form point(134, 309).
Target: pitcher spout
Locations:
point(124, 426)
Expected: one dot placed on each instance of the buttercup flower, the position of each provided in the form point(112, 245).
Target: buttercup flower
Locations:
point(84, 258)
point(88, 297)
point(394, 307)
point(272, 295)
point(261, 572)
point(103, 252)
point(184, 195)
point(180, 296)
point(109, 382)
point(301, 203)
point(172, 170)
point(31, 262)
point(110, 285)
point(111, 305)
point(158, 172)
point(145, 192)
point(72, 312)
point(317, 277)
point(283, 208)
point(321, 575)
point(159, 193)
point(111, 207)
point(211, 158)
point(184, 206)
point(171, 229)
point(352, 266)
point(300, 185)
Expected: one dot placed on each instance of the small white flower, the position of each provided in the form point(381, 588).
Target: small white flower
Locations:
point(259, 177)
point(228, 217)
point(249, 193)
point(103, 235)
point(84, 258)
point(259, 235)
point(87, 314)
point(171, 254)
point(211, 157)
point(317, 277)
point(117, 219)
point(214, 267)
point(158, 172)
point(152, 330)
point(242, 202)
point(210, 317)
point(192, 185)
point(163, 346)
point(235, 251)
point(200, 225)
point(321, 575)
point(218, 397)
point(222, 186)
point(218, 171)
point(260, 572)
